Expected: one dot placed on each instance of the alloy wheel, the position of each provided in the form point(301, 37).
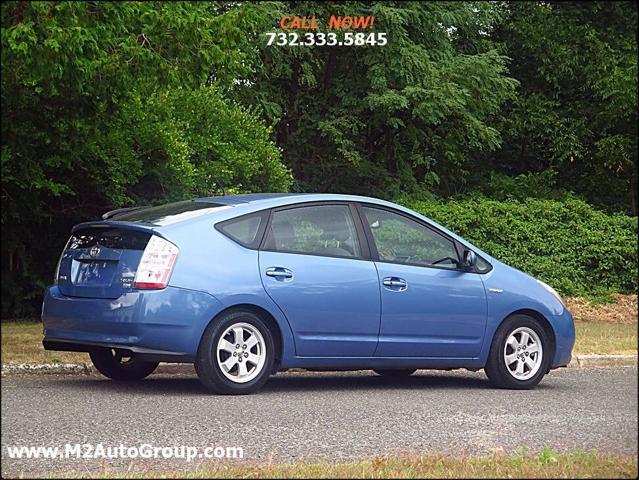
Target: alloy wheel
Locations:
point(241, 352)
point(523, 353)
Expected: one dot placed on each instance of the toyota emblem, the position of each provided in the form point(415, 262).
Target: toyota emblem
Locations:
point(94, 252)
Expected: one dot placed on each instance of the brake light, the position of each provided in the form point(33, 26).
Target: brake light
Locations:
point(156, 265)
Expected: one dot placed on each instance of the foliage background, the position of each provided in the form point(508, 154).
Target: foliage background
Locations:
point(512, 123)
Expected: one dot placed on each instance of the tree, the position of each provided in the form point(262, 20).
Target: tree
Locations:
point(379, 120)
point(108, 104)
point(576, 111)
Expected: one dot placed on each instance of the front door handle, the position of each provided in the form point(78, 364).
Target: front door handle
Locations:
point(395, 283)
point(279, 272)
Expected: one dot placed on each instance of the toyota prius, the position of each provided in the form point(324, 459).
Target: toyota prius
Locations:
point(244, 286)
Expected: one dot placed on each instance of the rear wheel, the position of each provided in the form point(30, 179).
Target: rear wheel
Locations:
point(519, 355)
point(115, 364)
point(407, 372)
point(236, 354)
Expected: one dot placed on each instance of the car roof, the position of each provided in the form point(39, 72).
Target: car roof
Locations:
point(245, 198)
point(259, 199)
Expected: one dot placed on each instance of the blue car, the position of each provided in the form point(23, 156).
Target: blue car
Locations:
point(244, 286)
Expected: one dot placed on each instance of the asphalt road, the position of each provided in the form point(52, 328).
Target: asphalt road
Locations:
point(309, 416)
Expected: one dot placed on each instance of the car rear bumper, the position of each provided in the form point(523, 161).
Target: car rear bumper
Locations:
point(148, 354)
point(165, 323)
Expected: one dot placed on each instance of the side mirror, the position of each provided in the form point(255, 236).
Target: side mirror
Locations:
point(470, 260)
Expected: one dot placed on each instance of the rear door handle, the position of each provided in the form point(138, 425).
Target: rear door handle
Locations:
point(279, 272)
point(395, 283)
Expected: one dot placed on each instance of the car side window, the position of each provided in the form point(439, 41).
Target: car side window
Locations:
point(243, 229)
point(402, 240)
point(317, 230)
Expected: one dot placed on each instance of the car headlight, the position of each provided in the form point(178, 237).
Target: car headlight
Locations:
point(552, 291)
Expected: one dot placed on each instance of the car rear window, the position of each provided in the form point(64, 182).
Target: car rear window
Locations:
point(168, 213)
point(108, 237)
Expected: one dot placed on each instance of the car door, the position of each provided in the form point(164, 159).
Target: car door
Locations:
point(315, 266)
point(430, 307)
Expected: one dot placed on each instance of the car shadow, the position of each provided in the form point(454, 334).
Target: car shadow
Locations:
point(184, 384)
point(369, 381)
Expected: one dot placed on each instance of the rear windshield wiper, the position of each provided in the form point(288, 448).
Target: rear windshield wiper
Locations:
point(117, 211)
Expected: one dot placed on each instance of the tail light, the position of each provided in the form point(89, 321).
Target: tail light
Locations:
point(156, 265)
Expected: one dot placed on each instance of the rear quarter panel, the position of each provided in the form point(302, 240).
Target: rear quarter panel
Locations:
point(210, 262)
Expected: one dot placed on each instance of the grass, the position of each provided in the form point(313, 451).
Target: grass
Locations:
point(22, 343)
point(546, 464)
point(606, 338)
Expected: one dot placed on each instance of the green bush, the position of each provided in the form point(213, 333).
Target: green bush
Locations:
point(570, 245)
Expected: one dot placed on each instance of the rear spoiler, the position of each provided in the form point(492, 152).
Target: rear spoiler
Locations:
point(140, 227)
point(111, 213)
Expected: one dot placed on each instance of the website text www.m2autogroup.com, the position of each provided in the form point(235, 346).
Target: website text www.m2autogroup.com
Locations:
point(88, 451)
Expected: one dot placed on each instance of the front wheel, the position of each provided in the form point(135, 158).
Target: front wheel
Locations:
point(115, 365)
point(236, 354)
point(519, 355)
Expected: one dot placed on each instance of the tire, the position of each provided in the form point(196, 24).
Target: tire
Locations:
point(513, 365)
point(219, 368)
point(407, 372)
point(114, 365)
